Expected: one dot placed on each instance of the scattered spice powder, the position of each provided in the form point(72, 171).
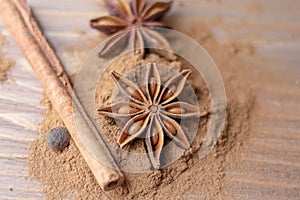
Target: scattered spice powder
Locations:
point(5, 64)
point(66, 175)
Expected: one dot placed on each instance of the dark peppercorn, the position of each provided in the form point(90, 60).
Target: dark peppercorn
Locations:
point(58, 138)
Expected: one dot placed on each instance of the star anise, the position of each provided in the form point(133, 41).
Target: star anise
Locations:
point(152, 109)
point(132, 21)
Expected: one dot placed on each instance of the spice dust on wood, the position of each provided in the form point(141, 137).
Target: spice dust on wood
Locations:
point(66, 174)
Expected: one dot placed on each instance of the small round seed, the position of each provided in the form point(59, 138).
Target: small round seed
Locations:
point(152, 86)
point(170, 127)
point(123, 110)
point(58, 138)
point(170, 92)
point(127, 110)
point(176, 110)
point(133, 93)
point(154, 140)
point(135, 127)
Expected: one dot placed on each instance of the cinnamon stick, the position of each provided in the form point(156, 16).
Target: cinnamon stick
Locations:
point(19, 20)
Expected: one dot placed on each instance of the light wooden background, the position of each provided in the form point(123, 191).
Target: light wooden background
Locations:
point(273, 26)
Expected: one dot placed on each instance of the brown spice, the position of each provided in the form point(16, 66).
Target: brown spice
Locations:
point(67, 174)
point(156, 93)
point(127, 16)
point(5, 64)
point(20, 21)
point(63, 174)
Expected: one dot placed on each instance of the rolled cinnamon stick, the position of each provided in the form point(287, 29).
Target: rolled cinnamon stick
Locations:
point(20, 21)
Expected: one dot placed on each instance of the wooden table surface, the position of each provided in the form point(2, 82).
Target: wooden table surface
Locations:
point(272, 26)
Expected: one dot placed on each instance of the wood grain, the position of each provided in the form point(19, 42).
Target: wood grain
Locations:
point(272, 26)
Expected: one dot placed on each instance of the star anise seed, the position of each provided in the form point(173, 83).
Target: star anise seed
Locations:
point(152, 109)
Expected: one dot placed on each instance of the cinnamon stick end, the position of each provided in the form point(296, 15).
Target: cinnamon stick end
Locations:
point(113, 183)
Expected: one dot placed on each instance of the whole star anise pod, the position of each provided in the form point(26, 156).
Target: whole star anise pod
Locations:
point(132, 21)
point(153, 109)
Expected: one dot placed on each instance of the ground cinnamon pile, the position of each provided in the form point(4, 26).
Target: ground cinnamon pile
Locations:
point(5, 63)
point(66, 175)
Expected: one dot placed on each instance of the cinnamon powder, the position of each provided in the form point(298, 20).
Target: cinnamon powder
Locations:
point(66, 175)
